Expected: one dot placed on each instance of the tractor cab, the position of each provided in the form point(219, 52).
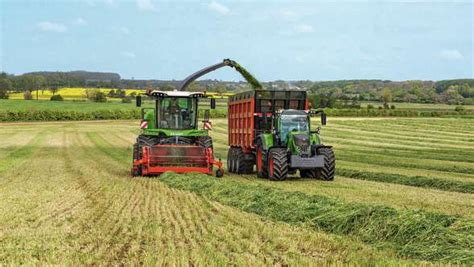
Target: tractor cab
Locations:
point(291, 122)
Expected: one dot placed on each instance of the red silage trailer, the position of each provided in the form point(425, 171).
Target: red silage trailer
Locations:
point(249, 114)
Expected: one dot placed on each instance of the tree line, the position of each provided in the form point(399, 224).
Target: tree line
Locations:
point(346, 93)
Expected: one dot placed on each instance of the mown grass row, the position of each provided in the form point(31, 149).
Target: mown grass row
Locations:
point(400, 159)
point(418, 181)
point(233, 230)
point(416, 234)
point(75, 205)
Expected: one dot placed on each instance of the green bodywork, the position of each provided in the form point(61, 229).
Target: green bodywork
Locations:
point(286, 132)
point(149, 115)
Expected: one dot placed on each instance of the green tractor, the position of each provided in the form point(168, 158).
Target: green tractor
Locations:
point(292, 146)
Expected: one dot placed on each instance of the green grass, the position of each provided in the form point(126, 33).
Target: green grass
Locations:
point(66, 197)
point(70, 201)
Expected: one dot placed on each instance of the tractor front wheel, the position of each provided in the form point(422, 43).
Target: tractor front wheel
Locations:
point(329, 170)
point(277, 164)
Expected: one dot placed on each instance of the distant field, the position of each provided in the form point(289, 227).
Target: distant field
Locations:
point(417, 106)
point(69, 93)
point(403, 193)
point(80, 93)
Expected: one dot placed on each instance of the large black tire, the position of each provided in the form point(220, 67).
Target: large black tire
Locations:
point(329, 170)
point(137, 154)
point(231, 160)
point(144, 140)
point(243, 163)
point(279, 158)
point(204, 141)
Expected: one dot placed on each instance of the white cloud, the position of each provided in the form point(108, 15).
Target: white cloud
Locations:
point(79, 21)
point(128, 54)
point(451, 54)
point(304, 28)
point(146, 5)
point(121, 30)
point(219, 8)
point(48, 26)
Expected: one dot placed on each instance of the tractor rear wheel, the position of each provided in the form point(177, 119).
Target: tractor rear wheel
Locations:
point(329, 170)
point(277, 164)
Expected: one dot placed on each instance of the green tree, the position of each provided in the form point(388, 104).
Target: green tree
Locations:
point(386, 97)
point(5, 87)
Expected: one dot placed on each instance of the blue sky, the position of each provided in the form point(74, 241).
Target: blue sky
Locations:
point(275, 40)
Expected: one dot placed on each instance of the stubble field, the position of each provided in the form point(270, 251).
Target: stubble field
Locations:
point(403, 192)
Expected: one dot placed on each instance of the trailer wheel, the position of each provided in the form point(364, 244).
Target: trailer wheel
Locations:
point(231, 162)
point(329, 170)
point(277, 164)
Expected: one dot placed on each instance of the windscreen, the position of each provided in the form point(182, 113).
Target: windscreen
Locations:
point(177, 113)
point(289, 123)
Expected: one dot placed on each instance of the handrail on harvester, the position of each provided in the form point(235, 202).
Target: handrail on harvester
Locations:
point(226, 62)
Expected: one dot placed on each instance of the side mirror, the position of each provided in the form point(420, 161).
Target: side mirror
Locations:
point(206, 115)
point(138, 100)
point(213, 103)
point(323, 118)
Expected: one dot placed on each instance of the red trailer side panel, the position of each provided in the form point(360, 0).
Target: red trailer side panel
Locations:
point(241, 123)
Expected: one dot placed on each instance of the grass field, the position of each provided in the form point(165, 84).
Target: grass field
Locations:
point(403, 194)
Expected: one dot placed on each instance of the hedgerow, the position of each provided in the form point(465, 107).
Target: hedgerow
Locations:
point(67, 115)
point(411, 233)
point(125, 114)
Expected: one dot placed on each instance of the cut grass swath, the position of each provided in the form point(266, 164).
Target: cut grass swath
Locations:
point(418, 181)
point(416, 234)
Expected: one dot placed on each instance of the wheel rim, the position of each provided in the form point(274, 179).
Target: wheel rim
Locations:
point(270, 166)
point(259, 160)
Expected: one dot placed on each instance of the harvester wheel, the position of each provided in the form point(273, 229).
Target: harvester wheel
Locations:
point(329, 170)
point(137, 154)
point(204, 141)
point(219, 173)
point(277, 164)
